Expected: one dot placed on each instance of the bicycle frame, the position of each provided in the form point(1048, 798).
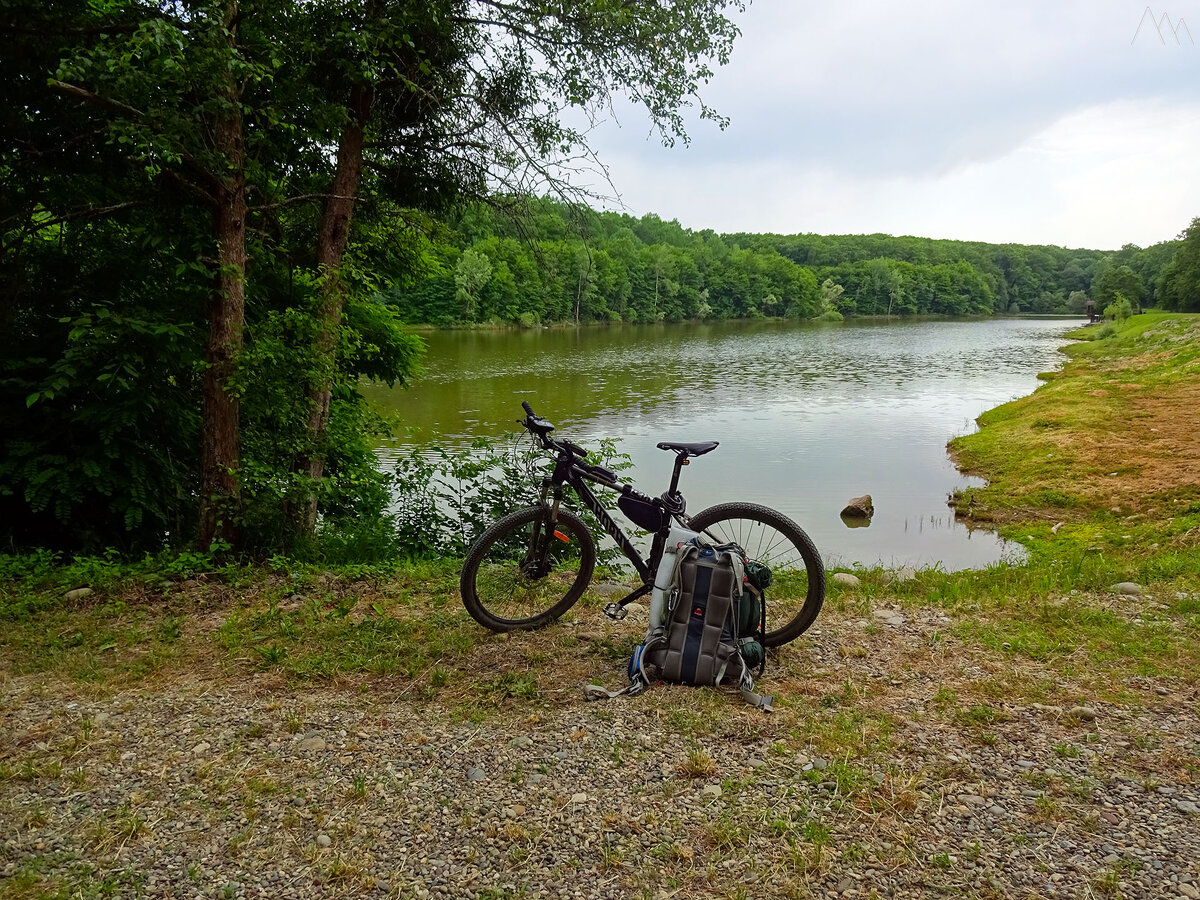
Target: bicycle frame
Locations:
point(567, 471)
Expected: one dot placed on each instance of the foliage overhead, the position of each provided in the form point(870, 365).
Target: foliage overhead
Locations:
point(170, 167)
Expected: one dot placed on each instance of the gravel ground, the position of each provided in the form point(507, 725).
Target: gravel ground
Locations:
point(220, 788)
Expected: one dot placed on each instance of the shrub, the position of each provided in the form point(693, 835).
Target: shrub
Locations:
point(442, 500)
point(1120, 309)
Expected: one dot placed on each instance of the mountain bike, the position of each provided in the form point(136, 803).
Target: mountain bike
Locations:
point(532, 565)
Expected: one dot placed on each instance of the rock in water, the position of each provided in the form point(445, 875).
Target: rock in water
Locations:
point(859, 508)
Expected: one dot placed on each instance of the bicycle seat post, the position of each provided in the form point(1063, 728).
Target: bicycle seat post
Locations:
point(681, 460)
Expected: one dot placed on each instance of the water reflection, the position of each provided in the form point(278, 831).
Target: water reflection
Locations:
point(807, 416)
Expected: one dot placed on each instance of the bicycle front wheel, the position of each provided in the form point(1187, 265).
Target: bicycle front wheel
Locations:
point(798, 576)
point(524, 573)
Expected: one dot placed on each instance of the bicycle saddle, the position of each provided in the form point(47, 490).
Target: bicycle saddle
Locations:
point(699, 448)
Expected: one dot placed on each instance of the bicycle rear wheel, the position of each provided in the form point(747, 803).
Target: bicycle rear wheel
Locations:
point(523, 574)
point(797, 589)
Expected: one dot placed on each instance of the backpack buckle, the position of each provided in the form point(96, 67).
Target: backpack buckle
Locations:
point(615, 611)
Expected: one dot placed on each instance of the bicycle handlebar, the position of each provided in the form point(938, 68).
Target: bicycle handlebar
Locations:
point(540, 428)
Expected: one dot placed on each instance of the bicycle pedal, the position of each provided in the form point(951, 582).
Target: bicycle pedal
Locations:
point(615, 611)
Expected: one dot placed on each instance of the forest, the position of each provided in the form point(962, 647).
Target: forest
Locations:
point(542, 261)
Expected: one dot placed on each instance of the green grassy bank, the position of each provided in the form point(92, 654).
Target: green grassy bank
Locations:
point(1097, 473)
point(1038, 686)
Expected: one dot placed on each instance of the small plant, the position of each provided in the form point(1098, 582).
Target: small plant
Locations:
point(358, 788)
point(611, 856)
point(698, 765)
point(36, 817)
point(129, 825)
point(169, 630)
point(272, 655)
point(520, 685)
point(815, 832)
point(1068, 751)
point(238, 840)
point(1048, 809)
point(980, 714)
point(728, 834)
point(340, 870)
point(1120, 309)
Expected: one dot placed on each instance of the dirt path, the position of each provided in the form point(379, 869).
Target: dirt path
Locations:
point(906, 759)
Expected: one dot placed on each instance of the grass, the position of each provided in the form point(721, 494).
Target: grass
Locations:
point(981, 647)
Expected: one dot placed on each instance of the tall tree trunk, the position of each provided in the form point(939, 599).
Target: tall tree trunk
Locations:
point(578, 296)
point(331, 247)
point(221, 430)
point(583, 275)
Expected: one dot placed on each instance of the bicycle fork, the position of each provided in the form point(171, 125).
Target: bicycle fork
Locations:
point(543, 532)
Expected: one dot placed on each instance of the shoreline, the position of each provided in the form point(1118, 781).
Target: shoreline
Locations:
point(425, 327)
point(1110, 428)
point(316, 731)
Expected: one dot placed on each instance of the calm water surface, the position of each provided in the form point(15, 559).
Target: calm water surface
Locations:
point(807, 415)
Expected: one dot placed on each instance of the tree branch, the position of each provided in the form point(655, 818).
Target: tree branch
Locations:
point(300, 198)
point(107, 103)
point(83, 212)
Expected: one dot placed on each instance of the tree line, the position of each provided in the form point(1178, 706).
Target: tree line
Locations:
point(541, 261)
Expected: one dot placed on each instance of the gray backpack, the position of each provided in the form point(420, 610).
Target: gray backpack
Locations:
point(697, 642)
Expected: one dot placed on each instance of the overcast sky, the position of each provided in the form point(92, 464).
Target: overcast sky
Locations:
point(1016, 121)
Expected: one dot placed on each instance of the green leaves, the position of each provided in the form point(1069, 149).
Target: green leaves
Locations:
point(1179, 284)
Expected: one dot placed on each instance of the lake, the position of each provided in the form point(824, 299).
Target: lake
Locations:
point(808, 415)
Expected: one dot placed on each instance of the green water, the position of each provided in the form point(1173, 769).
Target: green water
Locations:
point(807, 415)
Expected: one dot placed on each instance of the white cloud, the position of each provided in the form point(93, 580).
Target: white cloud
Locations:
point(1024, 122)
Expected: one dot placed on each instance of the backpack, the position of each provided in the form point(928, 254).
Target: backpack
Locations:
point(711, 629)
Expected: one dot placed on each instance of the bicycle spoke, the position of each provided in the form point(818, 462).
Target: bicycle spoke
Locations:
point(767, 537)
point(520, 576)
